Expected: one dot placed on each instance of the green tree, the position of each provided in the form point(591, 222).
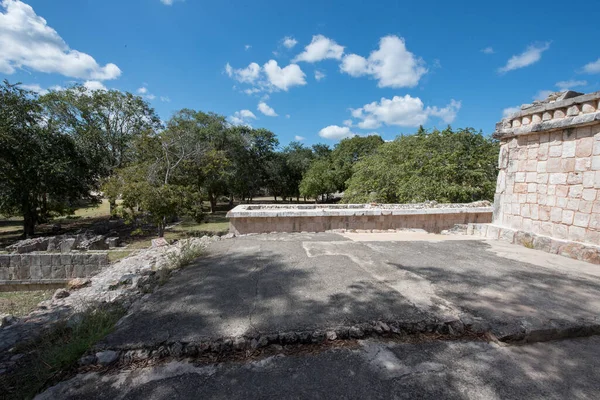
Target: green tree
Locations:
point(319, 181)
point(42, 171)
point(348, 152)
point(103, 123)
point(446, 166)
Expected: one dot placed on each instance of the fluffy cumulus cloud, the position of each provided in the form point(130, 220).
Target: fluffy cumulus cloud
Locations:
point(270, 77)
point(319, 75)
point(242, 117)
point(142, 90)
point(265, 109)
point(94, 85)
point(34, 87)
point(488, 50)
point(565, 85)
point(169, 2)
point(531, 55)
point(507, 112)
point(299, 138)
point(335, 132)
point(320, 48)
point(245, 75)
point(392, 64)
point(284, 78)
point(289, 42)
point(542, 94)
point(27, 41)
point(402, 111)
point(592, 68)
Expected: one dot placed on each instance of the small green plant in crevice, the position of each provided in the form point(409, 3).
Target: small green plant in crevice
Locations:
point(49, 358)
point(188, 252)
point(529, 245)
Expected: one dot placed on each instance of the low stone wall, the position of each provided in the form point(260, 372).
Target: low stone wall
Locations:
point(579, 251)
point(50, 266)
point(435, 218)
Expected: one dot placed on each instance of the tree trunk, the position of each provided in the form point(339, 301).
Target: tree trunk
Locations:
point(213, 203)
point(231, 200)
point(275, 197)
point(112, 205)
point(29, 218)
point(161, 227)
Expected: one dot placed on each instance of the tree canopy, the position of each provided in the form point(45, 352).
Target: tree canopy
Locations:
point(446, 166)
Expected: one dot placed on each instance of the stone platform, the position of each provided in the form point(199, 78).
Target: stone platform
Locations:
point(431, 217)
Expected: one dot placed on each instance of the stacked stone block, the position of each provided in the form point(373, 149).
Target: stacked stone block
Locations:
point(549, 175)
point(37, 267)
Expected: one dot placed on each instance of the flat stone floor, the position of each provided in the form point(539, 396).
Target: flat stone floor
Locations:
point(281, 282)
point(374, 370)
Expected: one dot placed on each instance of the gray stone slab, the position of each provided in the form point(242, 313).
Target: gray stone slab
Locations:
point(280, 282)
point(374, 370)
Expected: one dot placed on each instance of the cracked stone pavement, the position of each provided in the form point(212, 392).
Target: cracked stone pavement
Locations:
point(291, 282)
point(285, 282)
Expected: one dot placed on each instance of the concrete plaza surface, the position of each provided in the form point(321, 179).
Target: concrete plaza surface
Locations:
point(292, 282)
point(252, 285)
point(566, 369)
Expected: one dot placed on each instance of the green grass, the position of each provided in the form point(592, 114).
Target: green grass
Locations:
point(22, 303)
point(54, 355)
point(114, 256)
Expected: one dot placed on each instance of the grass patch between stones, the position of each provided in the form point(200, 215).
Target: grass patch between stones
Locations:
point(54, 355)
point(22, 302)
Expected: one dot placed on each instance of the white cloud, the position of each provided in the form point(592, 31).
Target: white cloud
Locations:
point(165, 99)
point(566, 85)
point(169, 2)
point(319, 75)
point(507, 112)
point(34, 87)
point(592, 68)
point(354, 65)
point(271, 77)
point(94, 85)
point(542, 94)
point(531, 55)
point(402, 111)
point(488, 50)
point(242, 117)
point(150, 96)
point(245, 75)
point(247, 47)
point(265, 109)
point(287, 116)
point(27, 41)
point(347, 122)
point(142, 90)
point(299, 138)
point(320, 48)
point(392, 64)
point(336, 132)
point(289, 42)
point(284, 78)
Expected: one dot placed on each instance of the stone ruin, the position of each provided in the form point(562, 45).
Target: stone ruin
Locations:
point(547, 190)
point(55, 259)
point(65, 243)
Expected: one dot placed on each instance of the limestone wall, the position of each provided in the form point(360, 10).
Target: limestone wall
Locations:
point(549, 164)
point(322, 218)
point(50, 266)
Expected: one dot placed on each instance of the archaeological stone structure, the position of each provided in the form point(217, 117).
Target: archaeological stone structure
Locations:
point(431, 217)
point(549, 177)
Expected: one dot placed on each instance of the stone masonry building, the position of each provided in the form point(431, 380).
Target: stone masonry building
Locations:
point(549, 164)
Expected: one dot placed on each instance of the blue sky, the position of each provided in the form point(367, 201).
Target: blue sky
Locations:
point(313, 70)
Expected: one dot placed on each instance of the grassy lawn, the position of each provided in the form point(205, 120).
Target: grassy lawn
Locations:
point(22, 303)
point(11, 228)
